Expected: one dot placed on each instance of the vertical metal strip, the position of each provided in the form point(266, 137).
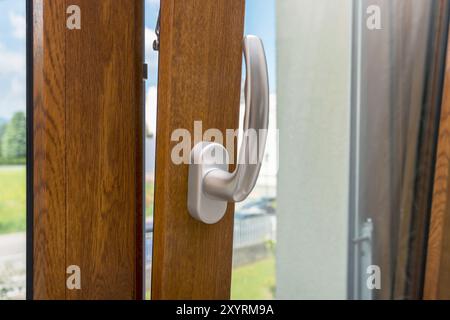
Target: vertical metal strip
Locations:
point(353, 266)
point(30, 152)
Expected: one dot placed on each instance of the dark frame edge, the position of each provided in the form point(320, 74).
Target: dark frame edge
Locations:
point(141, 295)
point(30, 150)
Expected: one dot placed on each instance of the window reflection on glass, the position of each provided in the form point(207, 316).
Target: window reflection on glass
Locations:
point(12, 149)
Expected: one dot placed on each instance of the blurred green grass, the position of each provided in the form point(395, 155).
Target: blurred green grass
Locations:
point(12, 199)
point(149, 190)
point(254, 281)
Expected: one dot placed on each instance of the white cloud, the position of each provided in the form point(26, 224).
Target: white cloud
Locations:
point(153, 2)
point(18, 86)
point(18, 24)
point(11, 62)
point(12, 81)
point(12, 97)
point(150, 109)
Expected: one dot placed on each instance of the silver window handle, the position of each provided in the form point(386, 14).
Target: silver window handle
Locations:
point(211, 185)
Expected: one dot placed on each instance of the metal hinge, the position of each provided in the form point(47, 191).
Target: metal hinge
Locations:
point(145, 71)
point(157, 31)
point(366, 232)
point(364, 246)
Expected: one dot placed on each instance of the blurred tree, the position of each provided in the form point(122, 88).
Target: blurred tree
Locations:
point(2, 131)
point(14, 138)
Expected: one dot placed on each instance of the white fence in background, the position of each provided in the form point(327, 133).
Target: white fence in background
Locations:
point(254, 230)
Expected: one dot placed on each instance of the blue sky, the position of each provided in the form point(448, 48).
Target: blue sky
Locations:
point(259, 20)
point(12, 57)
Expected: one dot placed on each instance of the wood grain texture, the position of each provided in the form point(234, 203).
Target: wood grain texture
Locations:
point(420, 160)
point(49, 150)
point(92, 145)
point(199, 79)
point(437, 276)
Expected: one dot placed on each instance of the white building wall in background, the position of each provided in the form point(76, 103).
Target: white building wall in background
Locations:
point(313, 93)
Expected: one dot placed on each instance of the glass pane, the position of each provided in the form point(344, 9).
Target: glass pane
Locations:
point(343, 213)
point(255, 218)
point(151, 59)
point(12, 149)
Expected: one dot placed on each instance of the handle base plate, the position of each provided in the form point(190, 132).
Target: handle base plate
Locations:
point(205, 156)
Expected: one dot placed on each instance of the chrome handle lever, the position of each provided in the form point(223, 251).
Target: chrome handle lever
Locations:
point(211, 185)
